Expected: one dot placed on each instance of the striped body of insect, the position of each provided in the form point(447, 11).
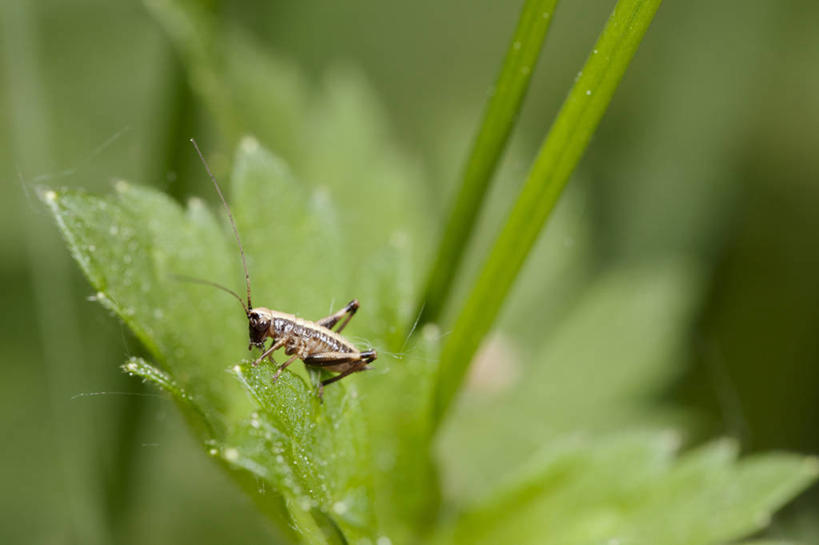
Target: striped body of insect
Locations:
point(315, 343)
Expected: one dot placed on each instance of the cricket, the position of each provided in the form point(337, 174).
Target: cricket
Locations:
point(316, 344)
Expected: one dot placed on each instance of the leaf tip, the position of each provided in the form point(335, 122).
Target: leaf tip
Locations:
point(140, 368)
point(47, 194)
point(50, 197)
point(131, 367)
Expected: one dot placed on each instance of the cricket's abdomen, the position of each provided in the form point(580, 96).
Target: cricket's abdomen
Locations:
point(304, 338)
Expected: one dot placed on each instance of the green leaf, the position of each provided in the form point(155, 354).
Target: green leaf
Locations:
point(316, 454)
point(399, 391)
point(560, 153)
point(313, 467)
point(337, 141)
point(632, 490)
point(498, 120)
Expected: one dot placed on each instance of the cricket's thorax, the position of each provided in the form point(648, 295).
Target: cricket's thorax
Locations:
point(306, 337)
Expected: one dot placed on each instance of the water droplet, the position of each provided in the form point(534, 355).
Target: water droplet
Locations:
point(231, 454)
point(339, 508)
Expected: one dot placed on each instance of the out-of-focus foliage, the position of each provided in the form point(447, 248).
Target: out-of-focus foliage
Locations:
point(629, 490)
point(598, 370)
point(689, 255)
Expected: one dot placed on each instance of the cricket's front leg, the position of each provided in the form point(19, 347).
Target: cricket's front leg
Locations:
point(284, 366)
point(269, 352)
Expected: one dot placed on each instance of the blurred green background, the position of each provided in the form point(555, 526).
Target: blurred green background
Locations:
point(706, 160)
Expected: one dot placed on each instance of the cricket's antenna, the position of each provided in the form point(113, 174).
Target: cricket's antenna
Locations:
point(233, 224)
point(185, 278)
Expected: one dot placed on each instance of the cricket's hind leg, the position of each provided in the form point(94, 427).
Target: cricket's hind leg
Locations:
point(348, 311)
point(351, 363)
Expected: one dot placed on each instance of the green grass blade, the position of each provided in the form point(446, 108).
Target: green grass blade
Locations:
point(560, 153)
point(499, 118)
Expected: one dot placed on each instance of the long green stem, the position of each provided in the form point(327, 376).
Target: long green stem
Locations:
point(499, 118)
point(558, 156)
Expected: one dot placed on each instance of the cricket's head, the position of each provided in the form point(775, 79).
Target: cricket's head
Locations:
point(259, 320)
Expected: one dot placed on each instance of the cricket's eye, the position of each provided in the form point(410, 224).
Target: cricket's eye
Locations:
point(257, 322)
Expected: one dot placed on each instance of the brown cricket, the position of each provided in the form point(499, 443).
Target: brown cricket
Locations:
point(314, 343)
